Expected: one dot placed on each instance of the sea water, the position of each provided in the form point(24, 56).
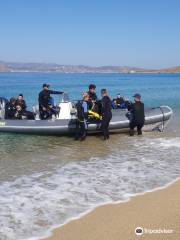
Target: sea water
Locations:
point(47, 180)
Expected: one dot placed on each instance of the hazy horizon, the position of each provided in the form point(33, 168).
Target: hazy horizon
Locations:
point(96, 66)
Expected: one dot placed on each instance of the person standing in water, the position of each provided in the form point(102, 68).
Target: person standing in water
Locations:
point(82, 115)
point(137, 115)
point(106, 111)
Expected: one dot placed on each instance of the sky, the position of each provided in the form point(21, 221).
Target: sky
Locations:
point(141, 33)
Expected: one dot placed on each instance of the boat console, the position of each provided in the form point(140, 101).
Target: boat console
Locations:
point(67, 109)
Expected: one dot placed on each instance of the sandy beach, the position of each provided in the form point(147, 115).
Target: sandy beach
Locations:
point(157, 213)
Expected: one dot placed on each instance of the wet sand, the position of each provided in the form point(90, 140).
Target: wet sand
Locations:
point(158, 211)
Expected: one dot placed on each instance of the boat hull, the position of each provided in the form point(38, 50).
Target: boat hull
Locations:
point(154, 118)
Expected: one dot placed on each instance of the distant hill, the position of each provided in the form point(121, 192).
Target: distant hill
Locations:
point(171, 70)
point(52, 67)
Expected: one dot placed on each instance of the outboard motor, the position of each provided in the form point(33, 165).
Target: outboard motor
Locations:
point(3, 102)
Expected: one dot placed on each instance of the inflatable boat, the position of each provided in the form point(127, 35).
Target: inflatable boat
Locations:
point(65, 122)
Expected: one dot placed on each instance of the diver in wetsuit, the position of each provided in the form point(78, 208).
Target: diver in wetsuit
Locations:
point(106, 113)
point(21, 102)
point(21, 109)
point(137, 115)
point(92, 92)
point(19, 113)
point(44, 98)
point(82, 116)
point(14, 111)
point(10, 109)
point(94, 104)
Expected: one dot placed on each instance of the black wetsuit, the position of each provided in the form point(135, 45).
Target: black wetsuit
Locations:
point(22, 104)
point(106, 115)
point(137, 117)
point(10, 110)
point(92, 96)
point(91, 105)
point(81, 125)
point(19, 115)
point(24, 113)
point(44, 97)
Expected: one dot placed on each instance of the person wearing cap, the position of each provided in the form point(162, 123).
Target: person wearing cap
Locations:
point(82, 116)
point(44, 97)
point(106, 111)
point(21, 102)
point(137, 115)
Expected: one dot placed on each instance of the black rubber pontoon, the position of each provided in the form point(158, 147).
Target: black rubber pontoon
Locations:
point(154, 118)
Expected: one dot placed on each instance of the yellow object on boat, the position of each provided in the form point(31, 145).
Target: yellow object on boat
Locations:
point(95, 115)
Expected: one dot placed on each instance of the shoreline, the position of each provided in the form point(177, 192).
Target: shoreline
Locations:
point(67, 231)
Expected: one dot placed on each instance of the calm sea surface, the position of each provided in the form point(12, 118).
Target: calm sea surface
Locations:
point(45, 181)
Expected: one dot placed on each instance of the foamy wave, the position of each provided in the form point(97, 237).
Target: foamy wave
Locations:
point(32, 204)
point(168, 143)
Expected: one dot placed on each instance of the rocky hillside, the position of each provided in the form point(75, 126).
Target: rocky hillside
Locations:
point(44, 67)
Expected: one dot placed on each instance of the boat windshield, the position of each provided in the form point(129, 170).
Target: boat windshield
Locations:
point(64, 98)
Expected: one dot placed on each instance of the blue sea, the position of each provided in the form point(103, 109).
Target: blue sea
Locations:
point(45, 181)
